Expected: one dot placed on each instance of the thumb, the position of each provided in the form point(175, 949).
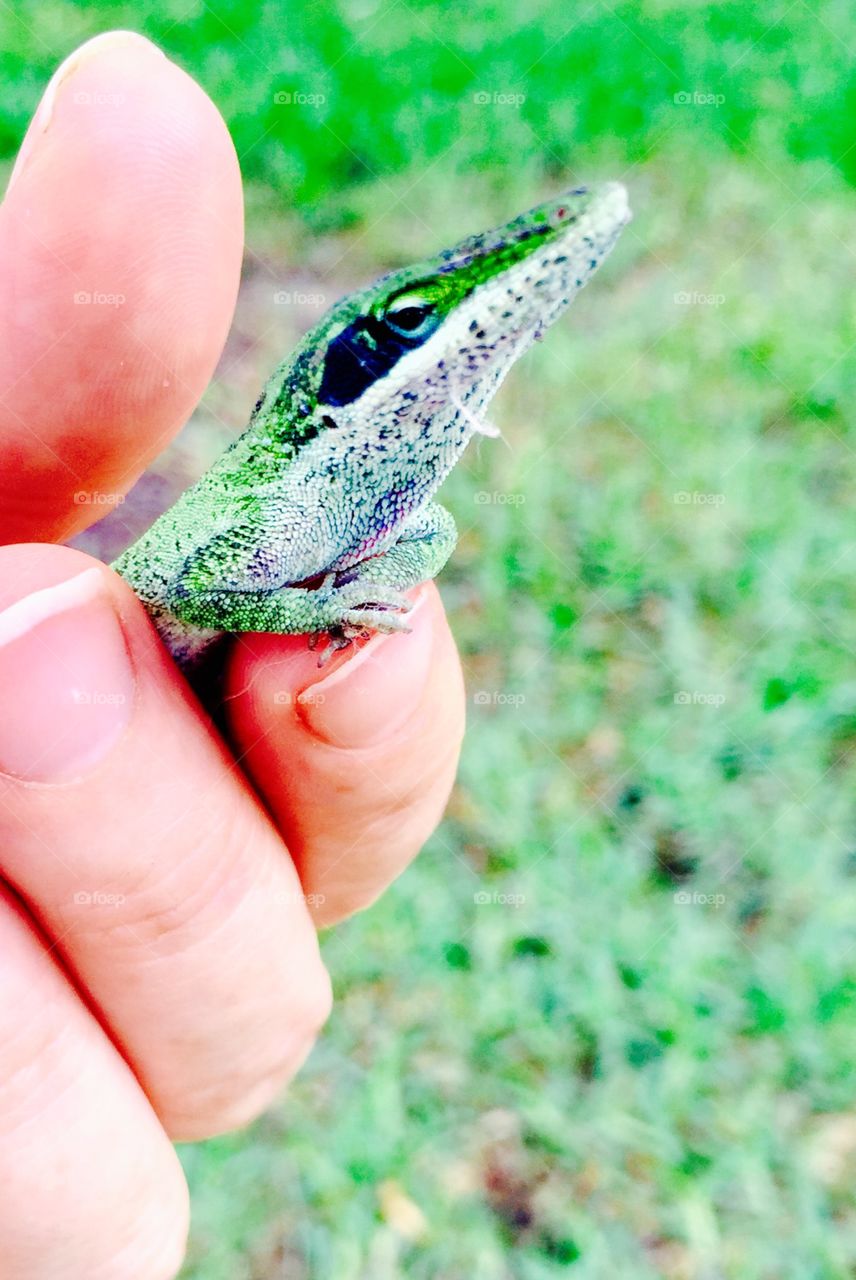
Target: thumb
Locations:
point(355, 761)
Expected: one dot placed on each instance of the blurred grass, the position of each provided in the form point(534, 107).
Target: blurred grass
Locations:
point(389, 86)
point(635, 1059)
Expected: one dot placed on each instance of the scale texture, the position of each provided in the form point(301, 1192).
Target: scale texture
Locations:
point(321, 514)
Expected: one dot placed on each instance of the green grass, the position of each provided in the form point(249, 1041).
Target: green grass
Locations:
point(635, 1059)
point(588, 1074)
point(321, 97)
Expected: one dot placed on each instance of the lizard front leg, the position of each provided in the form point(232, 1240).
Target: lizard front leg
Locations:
point(364, 597)
point(424, 544)
point(292, 610)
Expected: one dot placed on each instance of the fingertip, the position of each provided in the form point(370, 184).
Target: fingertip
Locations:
point(358, 698)
point(104, 42)
point(355, 765)
point(121, 238)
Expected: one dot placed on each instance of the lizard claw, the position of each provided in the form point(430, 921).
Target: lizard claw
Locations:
point(336, 639)
point(361, 609)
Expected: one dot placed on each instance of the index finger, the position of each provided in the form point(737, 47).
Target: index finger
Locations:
point(120, 250)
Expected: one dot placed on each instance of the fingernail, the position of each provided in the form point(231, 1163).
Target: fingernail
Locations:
point(44, 111)
point(369, 697)
point(66, 682)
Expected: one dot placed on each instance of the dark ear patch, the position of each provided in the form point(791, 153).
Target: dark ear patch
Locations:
point(363, 352)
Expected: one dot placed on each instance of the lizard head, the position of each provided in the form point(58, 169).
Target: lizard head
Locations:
point(423, 351)
point(393, 380)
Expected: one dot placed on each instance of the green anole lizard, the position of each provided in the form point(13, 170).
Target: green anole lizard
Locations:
point(320, 516)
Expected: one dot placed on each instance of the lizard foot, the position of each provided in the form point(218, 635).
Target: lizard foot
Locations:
point(363, 610)
point(334, 640)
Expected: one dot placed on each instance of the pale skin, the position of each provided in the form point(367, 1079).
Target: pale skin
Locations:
point(177, 998)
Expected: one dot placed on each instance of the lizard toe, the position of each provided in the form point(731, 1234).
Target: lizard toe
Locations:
point(373, 619)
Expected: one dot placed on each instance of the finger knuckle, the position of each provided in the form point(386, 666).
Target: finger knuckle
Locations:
point(251, 1083)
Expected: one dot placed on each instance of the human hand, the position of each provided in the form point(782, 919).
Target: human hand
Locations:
point(159, 969)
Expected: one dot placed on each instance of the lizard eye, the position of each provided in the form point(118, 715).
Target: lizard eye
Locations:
point(412, 316)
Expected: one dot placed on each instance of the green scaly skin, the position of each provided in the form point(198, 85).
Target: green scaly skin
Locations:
point(320, 516)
